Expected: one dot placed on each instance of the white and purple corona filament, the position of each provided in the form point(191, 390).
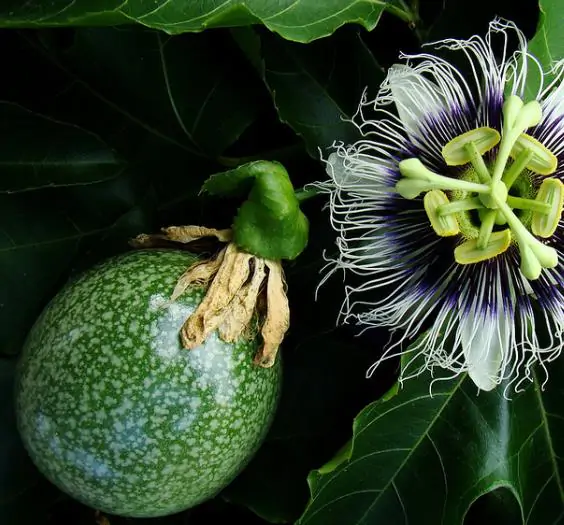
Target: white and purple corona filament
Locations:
point(448, 212)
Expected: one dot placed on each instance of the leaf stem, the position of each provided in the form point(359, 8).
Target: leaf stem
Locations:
point(409, 14)
point(304, 194)
point(403, 14)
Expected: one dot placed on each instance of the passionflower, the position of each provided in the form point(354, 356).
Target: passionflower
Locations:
point(448, 211)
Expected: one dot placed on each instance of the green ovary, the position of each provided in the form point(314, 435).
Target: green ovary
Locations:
point(494, 204)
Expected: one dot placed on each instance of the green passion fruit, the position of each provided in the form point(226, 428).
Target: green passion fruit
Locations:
point(117, 414)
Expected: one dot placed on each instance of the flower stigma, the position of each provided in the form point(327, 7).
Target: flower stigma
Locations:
point(485, 188)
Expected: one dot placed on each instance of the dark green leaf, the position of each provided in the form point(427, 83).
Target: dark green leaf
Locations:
point(548, 43)
point(185, 89)
point(36, 248)
point(301, 21)
point(316, 88)
point(38, 152)
point(467, 444)
point(324, 385)
point(39, 238)
point(273, 485)
point(137, 123)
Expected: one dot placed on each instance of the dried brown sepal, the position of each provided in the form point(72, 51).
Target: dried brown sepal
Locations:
point(185, 234)
point(238, 319)
point(231, 276)
point(236, 292)
point(277, 319)
point(150, 241)
point(200, 274)
point(178, 234)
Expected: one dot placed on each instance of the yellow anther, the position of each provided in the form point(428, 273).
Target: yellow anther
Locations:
point(543, 161)
point(469, 253)
point(444, 225)
point(551, 192)
point(456, 152)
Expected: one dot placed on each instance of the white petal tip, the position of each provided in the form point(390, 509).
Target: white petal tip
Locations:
point(486, 341)
point(482, 381)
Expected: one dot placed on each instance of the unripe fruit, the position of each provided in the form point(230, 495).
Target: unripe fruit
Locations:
point(117, 414)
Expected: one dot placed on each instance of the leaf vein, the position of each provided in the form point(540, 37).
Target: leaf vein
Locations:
point(549, 439)
point(154, 11)
point(285, 10)
point(429, 426)
point(169, 89)
point(537, 498)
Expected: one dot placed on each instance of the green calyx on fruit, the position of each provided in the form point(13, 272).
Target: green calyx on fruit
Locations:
point(242, 290)
point(270, 223)
point(115, 412)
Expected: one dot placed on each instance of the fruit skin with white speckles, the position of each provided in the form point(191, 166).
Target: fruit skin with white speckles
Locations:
point(117, 414)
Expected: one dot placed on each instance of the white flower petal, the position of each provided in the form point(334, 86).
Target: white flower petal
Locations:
point(485, 342)
point(401, 279)
point(336, 168)
point(415, 97)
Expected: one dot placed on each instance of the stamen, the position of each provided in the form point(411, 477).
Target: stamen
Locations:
point(551, 195)
point(499, 218)
point(519, 164)
point(486, 229)
point(520, 203)
point(478, 163)
point(470, 253)
point(421, 179)
point(444, 225)
point(542, 160)
point(473, 203)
